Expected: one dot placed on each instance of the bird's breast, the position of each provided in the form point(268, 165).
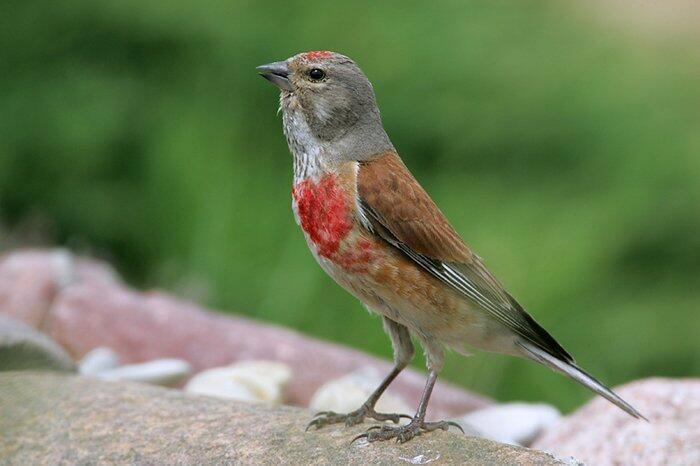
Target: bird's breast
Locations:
point(325, 209)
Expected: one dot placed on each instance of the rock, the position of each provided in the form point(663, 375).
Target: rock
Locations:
point(348, 392)
point(22, 347)
point(601, 434)
point(251, 381)
point(31, 279)
point(167, 372)
point(98, 360)
point(76, 420)
point(83, 306)
point(28, 283)
point(516, 423)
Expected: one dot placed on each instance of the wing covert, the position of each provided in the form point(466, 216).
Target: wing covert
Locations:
point(400, 211)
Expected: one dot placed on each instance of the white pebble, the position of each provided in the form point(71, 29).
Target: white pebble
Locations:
point(159, 372)
point(347, 393)
point(250, 381)
point(515, 423)
point(98, 360)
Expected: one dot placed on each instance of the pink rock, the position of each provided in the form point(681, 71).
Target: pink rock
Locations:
point(92, 308)
point(601, 434)
point(28, 284)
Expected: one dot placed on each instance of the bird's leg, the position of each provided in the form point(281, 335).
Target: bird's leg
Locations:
point(418, 425)
point(403, 353)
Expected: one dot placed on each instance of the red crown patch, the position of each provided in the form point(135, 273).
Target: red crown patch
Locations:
point(316, 54)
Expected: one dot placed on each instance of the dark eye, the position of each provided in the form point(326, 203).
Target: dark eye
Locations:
point(316, 74)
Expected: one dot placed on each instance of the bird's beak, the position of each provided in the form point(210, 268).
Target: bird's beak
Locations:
point(277, 73)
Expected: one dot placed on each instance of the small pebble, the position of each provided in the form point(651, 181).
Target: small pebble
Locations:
point(347, 393)
point(514, 423)
point(98, 360)
point(166, 372)
point(250, 381)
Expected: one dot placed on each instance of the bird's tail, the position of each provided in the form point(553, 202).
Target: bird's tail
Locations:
point(570, 369)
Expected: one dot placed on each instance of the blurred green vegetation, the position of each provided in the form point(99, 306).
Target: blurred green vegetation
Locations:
point(565, 150)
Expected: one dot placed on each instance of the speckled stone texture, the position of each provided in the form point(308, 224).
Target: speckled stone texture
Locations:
point(81, 304)
point(600, 434)
point(47, 419)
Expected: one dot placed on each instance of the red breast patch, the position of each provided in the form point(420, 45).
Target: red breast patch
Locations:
point(325, 215)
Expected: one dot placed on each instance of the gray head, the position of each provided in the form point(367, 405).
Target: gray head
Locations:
point(336, 102)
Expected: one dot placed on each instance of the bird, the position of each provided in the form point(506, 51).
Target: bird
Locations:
point(372, 227)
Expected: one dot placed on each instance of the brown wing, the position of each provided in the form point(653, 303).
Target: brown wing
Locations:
point(406, 210)
point(400, 211)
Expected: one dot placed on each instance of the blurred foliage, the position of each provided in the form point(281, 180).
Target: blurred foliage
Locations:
point(566, 151)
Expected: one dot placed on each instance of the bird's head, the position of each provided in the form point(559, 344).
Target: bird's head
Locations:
point(330, 91)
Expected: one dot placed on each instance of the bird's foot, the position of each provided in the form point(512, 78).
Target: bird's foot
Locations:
point(405, 433)
point(325, 418)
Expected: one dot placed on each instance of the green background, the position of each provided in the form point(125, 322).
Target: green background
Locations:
point(561, 139)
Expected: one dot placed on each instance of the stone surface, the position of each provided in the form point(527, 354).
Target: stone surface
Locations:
point(250, 381)
point(601, 434)
point(74, 420)
point(516, 423)
point(82, 306)
point(22, 347)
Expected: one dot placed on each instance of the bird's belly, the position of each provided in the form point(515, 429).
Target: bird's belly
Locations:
point(394, 287)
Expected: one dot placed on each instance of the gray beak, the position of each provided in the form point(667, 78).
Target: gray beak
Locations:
point(277, 73)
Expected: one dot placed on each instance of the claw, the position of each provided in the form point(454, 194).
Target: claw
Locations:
point(455, 424)
point(365, 435)
point(317, 422)
point(310, 425)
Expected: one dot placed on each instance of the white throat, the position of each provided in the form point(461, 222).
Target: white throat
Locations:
point(306, 148)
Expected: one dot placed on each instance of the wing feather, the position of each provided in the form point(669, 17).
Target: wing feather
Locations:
point(401, 212)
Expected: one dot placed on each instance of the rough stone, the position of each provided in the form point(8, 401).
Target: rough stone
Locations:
point(22, 347)
point(75, 420)
point(600, 434)
point(82, 306)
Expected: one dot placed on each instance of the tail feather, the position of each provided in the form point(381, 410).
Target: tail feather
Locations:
point(570, 369)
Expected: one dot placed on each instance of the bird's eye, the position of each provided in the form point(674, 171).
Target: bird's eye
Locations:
point(316, 74)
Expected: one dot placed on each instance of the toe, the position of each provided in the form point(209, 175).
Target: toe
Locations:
point(455, 424)
point(316, 423)
point(361, 436)
point(395, 418)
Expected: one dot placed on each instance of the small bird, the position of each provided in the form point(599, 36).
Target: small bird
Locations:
point(380, 236)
